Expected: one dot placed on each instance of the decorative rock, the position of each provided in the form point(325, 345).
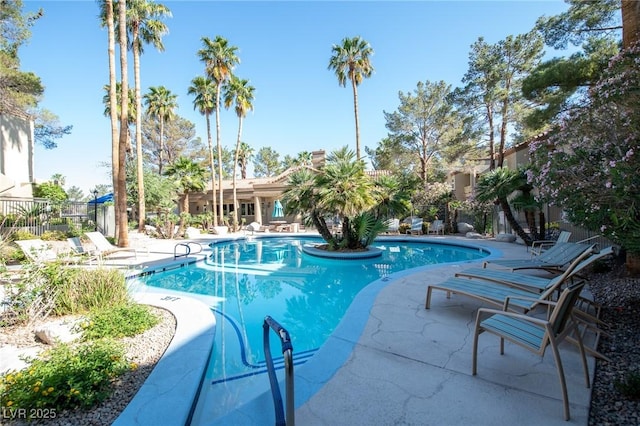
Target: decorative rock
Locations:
point(506, 238)
point(192, 232)
point(464, 227)
point(57, 332)
point(473, 235)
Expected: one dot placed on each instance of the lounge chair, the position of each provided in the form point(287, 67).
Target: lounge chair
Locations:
point(496, 294)
point(416, 226)
point(38, 251)
point(554, 259)
point(393, 226)
point(533, 282)
point(539, 246)
point(535, 334)
point(105, 249)
point(494, 287)
point(436, 227)
point(76, 246)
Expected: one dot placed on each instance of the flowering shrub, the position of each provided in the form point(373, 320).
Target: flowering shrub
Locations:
point(67, 377)
point(589, 166)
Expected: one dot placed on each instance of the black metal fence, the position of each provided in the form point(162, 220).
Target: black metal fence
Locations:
point(38, 216)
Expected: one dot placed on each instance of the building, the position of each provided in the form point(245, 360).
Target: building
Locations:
point(16, 155)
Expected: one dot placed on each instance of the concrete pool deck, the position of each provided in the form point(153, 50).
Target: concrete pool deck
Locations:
point(390, 361)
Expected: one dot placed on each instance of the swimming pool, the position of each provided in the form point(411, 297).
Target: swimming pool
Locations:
point(245, 280)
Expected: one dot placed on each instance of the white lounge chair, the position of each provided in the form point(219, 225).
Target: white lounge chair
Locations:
point(105, 249)
point(393, 226)
point(416, 226)
point(37, 250)
point(436, 227)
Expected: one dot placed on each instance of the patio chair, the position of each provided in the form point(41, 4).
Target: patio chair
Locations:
point(533, 282)
point(537, 247)
point(494, 287)
point(76, 246)
point(416, 226)
point(105, 249)
point(554, 259)
point(436, 227)
point(393, 226)
point(535, 334)
point(39, 251)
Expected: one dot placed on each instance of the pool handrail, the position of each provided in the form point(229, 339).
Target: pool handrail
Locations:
point(287, 352)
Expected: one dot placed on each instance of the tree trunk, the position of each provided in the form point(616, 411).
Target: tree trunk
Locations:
point(113, 95)
point(214, 207)
point(120, 192)
point(630, 22)
point(219, 147)
point(633, 264)
point(235, 163)
point(508, 215)
point(139, 166)
point(355, 112)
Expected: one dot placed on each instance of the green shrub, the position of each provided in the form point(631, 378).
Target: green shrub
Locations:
point(21, 234)
point(120, 321)
point(65, 377)
point(83, 290)
point(630, 385)
point(53, 236)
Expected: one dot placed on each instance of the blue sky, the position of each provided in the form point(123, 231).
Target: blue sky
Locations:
point(284, 48)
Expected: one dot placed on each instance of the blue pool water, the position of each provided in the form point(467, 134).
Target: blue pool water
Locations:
point(245, 280)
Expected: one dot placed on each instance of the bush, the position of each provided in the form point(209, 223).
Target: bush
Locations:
point(66, 377)
point(53, 236)
point(53, 288)
point(21, 234)
point(121, 321)
point(83, 290)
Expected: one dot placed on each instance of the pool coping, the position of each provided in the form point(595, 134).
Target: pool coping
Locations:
point(171, 390)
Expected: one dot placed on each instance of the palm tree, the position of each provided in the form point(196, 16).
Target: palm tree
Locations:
point(107, 19)
point(239, 92)
point(351, 61)
point(497, 186)
point(160, 104)
point(189, 176)
point(245, 154)
point(144, 27)
point(220, 59)
point(131, 108)
point(120, 190)
point(341, 188)
point(204, 90)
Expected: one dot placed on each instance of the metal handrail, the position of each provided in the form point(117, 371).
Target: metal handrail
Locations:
point(287, 353)
point(188, 249)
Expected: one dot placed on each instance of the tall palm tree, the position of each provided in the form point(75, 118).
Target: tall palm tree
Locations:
point(351, 61)
point(120, 192)
point(189, 176)
point(131, 108)
point(144, 28)
point(240, 93)
point(107, 19)
point(204, 90)
point(161, 104)
point(245, 154)
point(220, 59)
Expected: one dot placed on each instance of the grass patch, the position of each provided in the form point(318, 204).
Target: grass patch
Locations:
point(120, 321)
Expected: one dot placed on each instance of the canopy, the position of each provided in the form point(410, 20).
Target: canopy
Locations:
point(101, 200)
point(278, 211)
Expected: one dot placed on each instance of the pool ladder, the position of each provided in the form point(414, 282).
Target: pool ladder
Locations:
point(287, 353)
point(187, 247)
